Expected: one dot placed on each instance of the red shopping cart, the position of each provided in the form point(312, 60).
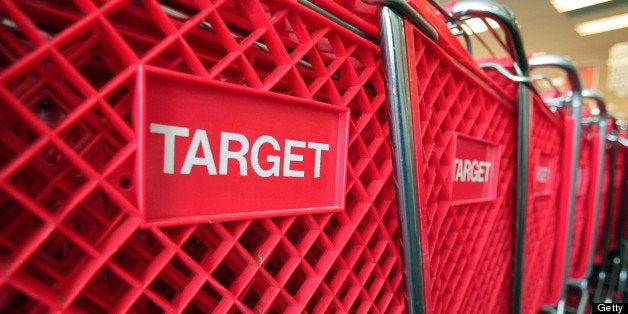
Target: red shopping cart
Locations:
point(611, 252)
point(554, 225)
point(80, 231)
point(589, 182)
point(465, 142)
point(546, 147)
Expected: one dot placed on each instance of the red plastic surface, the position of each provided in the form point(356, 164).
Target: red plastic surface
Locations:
point(603, 207)
point(543, 222)
point(355, 12)
point(70, 235)
point(562, 219)
point(619, 169)
point(468, 248)
point(584, 214)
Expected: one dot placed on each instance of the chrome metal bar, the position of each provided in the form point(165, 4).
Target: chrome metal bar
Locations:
point(523, 143)
point(404, 8)
point(602, 127)
point(545, 78)
point(442, 11)
point(337, 20)
point(623, 274)
point(614, 279)
point(501, 70)
point(453, 24)
point(564, 63)
point(466, 9)
point(582, 286)
point(400, 116)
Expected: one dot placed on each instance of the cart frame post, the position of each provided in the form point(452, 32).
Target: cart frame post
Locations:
point(393, 43)
point(582, 283)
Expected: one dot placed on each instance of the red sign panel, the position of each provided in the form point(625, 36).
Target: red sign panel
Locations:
point(211, 151)
point(475, 170)
point(544, 173)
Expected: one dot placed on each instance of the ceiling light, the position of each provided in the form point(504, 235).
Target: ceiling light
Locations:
point(477, 25)
point(569, 5)
point(602, 25)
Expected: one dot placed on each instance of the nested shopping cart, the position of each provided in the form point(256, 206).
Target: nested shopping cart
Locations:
point(588, 195)
point(465, 141)
point(615, 184)
point(126, 183)
point(608, 144)
point(557, 222)
point(610, 252)
point(547, 152)
point(547, 143)
point(256, 156)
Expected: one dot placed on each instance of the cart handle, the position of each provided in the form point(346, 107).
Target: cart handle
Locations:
point(503, 71)
point(601, 104)
point(404, 8)
point(567, 65)
point(467, 9)
point(545, 78)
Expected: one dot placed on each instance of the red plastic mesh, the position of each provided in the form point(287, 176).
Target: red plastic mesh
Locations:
point(355, 12)
point(543, 210)
point(582, 223)
point(507, 87)
point(603, 208)
point(70, 239)
point(577, 224)
point(623, 134)
point(619, 169)
point(467, 248)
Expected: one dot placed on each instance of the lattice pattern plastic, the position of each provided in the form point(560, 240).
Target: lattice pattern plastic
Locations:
point(599, 247)
point(582, 223)
point(543, 212)
point(467, 252)
point(618, 172)
point(619, 169)
point(70, 236)
point(506, 86)
point(624, 193)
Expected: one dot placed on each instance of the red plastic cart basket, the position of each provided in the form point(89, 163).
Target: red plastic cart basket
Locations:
point(604, 195)
point(611, 193)
point(71, 236)
point(591, 156)
point(545, 215)
point(589, 182)
point(618, 169)
point(610, 251)
point(465, 152)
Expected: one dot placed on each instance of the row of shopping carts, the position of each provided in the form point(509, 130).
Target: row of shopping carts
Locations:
point(400, 173)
